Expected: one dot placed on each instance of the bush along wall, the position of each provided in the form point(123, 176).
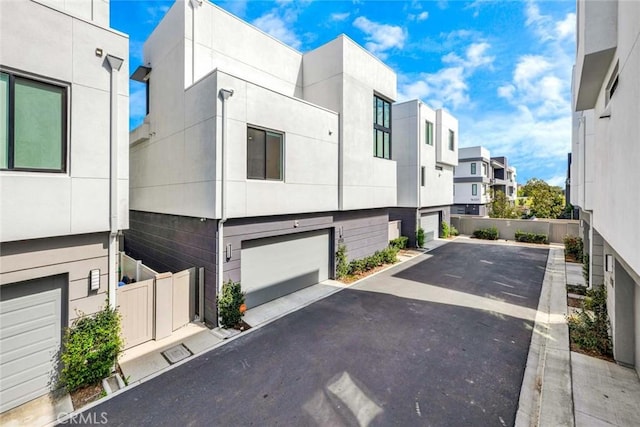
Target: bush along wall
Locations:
point(573, 247)
point(229, 303)
point(486, 233)
point(400, 242)
point(420, 237)
point(522, 236)
point(91, 348)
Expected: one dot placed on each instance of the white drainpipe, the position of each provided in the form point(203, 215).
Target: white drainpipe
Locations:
point(224, 94)
point(115, 63)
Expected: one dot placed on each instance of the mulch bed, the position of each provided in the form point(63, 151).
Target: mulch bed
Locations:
point(571, 258)
point(242, 326)
point(574, 302)
point(85, 395)
point(590, 353)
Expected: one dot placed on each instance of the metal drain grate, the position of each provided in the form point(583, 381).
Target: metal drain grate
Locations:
point(176, 354)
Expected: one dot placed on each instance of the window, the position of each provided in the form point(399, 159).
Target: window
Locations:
point(484, 169)
point(422, 175)
point(612, 85)
point(264, 154)
point(474, 189)
point(452, 138)
point(429, 133)
point(484, 190)
point(33, 125)
point(381, 128)
point(438, 168)
point(473, 168)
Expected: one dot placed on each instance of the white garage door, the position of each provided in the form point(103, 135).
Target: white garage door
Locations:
point(430, 223)
point(277, 266)
point(30, 335)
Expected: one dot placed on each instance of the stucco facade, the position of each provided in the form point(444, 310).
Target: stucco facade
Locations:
point(425, 162)
point(218, 88)
point(605, 156)
point(61, 211)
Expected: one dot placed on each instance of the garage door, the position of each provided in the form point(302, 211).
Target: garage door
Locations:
point(30, 335)
point(277, 266)
point(430, 223)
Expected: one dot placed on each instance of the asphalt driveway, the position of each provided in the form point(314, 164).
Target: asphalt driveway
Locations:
point(441, 340)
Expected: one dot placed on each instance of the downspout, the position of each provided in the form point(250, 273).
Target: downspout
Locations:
point(114, 63)
point(224, 95)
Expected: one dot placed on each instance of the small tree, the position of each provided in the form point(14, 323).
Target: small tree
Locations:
point(420, 237)
point(229, 302)
point(501, 207)
point(342, 266)
point(546, 201)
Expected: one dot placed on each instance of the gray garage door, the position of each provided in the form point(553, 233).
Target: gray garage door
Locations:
point(277, 266)
point(430, 223)
point(30, 334)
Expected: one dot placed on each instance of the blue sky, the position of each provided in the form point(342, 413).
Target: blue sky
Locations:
point(503, 68)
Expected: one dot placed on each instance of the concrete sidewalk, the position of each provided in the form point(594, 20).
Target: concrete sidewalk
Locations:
point(565, 388)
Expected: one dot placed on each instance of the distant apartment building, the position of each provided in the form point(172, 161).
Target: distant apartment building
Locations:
point(426, 151)
point(257, 161)
point(605, 158)
point(63, 177)
point(477, 177)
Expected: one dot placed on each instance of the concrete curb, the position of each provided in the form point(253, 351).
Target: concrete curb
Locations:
point(546, 397)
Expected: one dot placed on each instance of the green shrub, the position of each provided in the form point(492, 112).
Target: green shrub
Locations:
point(585, 268)
point(229, 302)
point(573, 246)
point(446, 231)
point(591, 332)
point(342, 266)
point(420, 237)
point(385, 256)
point(454, 231)
point(400, 242)
point(522, 236)
point(486, 233)
point(91, 348)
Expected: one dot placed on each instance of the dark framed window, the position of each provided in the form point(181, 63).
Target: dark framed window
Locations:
point(265, 151)
point(33, 124)
point(473, 168)
point(474, 189)
point(381, 128)
point(484, 169)
point(429, 133)
point(452, 140)
point(422, 175)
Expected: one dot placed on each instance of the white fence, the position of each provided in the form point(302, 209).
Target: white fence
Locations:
point(555, 229)
point(154, 304)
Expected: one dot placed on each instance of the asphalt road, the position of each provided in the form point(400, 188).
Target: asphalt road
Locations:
point(441, 340)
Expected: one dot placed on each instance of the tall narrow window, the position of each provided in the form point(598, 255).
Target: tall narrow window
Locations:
point(33, 124)
point(473, 168)
point(484, 169)
point(474, 189)
point(452, 138)
point(381, 128)
point(422, 175)
point(429, 133)
point(264, 154)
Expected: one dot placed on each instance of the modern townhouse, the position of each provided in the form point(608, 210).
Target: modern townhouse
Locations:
point(604, 161)
point(63, 176)
point(472, 179)
point(425, 147)
point(255, 161)
point(503, 177)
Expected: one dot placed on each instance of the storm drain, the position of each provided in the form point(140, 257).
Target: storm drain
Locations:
point(176, 354)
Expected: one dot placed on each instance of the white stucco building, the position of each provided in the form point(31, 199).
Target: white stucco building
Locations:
point(605, 157)
point(256, 161)
point(477, 176)
point(63, 177)
point(426, 151)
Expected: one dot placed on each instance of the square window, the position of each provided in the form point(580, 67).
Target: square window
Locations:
point(264, 154)
point(33, 126)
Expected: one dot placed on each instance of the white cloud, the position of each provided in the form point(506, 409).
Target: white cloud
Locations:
point(567, 27)
point(340, 16)
point(380, 37)
point(558, 180)
point(279, 27)
point(449, 86)
point(422, 16)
